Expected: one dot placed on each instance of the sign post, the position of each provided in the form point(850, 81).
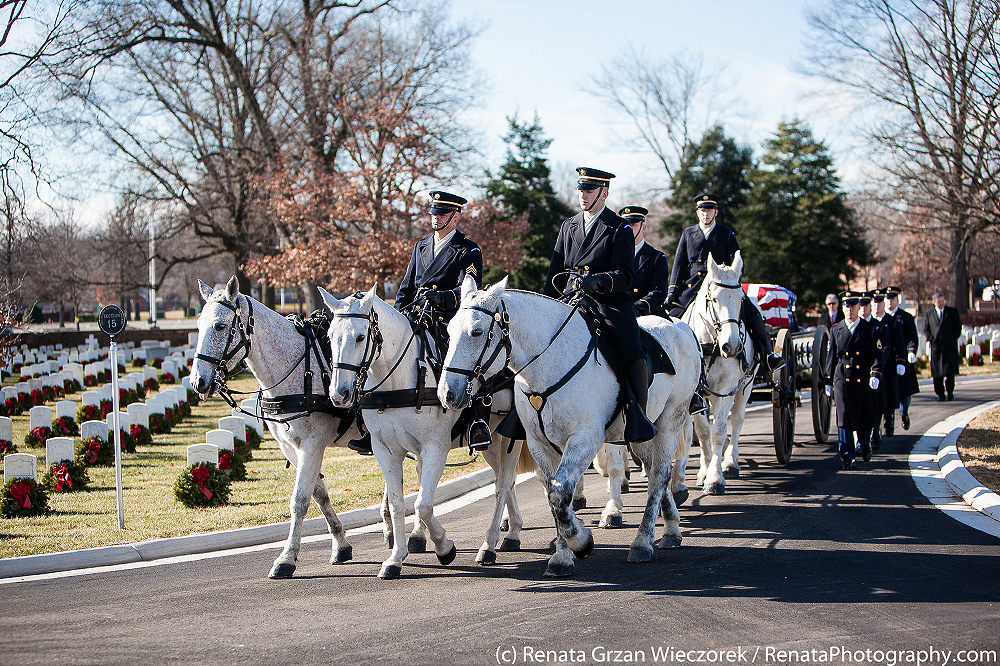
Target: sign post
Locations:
point(112, 322)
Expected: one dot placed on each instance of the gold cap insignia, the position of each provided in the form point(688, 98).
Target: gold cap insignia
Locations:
point(437, 196)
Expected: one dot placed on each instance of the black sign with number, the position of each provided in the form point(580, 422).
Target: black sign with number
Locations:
point(111, 320)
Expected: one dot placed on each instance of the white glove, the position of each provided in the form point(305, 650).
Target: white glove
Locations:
point(911, 357)
point(829, 390)
point(900, 369)
point(873, 383)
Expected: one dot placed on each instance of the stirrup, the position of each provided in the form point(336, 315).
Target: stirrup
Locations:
point(774, 362)
point(363, 445)
point(698, 405)
point(479, 435)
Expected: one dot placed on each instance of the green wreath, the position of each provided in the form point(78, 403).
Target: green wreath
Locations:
point(141, 434)
point(24, 498)
point(233, 465)
point(66, 476)
point(37, 436)
point(253, 439)
point(95, 452)
point(202, 484)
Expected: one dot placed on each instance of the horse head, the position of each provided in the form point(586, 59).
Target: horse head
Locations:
point(218, 344)
point(475, 334)
point(351, 342)
point(726, 295)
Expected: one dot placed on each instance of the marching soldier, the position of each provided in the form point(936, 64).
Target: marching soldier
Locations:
point(597, 248)
point(433, 278)
point(649, 284)
point(891, 340)
point(696, 243)
point(906, 383)
point(853, 369)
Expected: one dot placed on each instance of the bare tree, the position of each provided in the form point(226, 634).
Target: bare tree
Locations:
point(928, 72)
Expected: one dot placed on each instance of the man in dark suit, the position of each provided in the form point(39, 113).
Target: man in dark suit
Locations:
point(906, 384)
point(942, 326)
point(853, 370)
point(649, 284)
point(691, 265)
point(595, 253)
point(833, 312)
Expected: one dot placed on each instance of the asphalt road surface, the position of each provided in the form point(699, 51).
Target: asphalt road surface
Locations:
point(841, 567)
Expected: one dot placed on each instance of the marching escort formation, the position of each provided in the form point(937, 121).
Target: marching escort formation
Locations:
point(664, 352)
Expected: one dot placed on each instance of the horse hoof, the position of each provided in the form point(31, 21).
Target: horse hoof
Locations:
point(504, 525)
point(345, 554)
point(486, 558)
point(416, 544)
point(680, 496)
point(558, 570)
point(448, 557)
point(552, 546)
point(283, 570)
point(731, 473)
point(390, 571)
point(586, 549)
point(579, 503)
point(624, 486)
point(636, 554)
point(510, 545)
point(610, 522)
point(669, 541)
point(715, 489)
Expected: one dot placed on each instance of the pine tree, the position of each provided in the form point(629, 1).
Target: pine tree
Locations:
point(718, 165)
point(524, 188)
point(796, 229)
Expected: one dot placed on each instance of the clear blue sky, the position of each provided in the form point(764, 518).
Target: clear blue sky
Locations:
point(539, 54)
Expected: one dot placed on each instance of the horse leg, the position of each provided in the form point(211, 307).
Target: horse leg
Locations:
point(702, 430)
point(614, 465)
point(579, 500)
point(309, 459)
point(572, 537)
point(731, 461)
point(391, 463)
point(387, 534)
point(504, 468)
point(417, 541)
point(677, 486)
point(434, 456)
point(342, 550)
point(715, 482)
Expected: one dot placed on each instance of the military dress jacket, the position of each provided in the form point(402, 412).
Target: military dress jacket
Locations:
point(907, 385)
point(852, 359)
point(649, 284)
point(943, 335)
point(460, 257)
point(691, 259)
point(890, 337)
point(609, 248)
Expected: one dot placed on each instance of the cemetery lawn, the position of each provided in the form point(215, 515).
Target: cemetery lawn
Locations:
point(979, 448)
point(89, 518)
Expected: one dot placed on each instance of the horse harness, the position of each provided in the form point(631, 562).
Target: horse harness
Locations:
point(712, 350)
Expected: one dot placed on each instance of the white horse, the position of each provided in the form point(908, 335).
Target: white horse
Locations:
point(567, 426)
point(234, 327)
point(367, 335)
point(714, 315)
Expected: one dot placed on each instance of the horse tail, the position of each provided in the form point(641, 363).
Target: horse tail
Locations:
point(525, 463)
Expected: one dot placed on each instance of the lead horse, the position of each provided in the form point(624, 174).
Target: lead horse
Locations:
point(234, 328)
point(569, 415)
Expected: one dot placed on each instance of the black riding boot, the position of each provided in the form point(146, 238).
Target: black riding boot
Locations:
point(363, 445)
point(479, 430)
point(757, 331)
point(698, 404)
point(638, 427)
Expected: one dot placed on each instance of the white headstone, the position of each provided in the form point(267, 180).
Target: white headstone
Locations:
point(193, 339)
point(220, 438)
point(171, 367)
point(91, 428)
point(20, 466)
point(197, 453)
point(91, 398)
point(22, 387)
point(139, 354)
point(74, 357)
point(149, 372)
point(106, 391)
point(186, 383)
point(138, 413)
point(124, 421)
point(6, 429)
point(154, 406)
point(9, 392)
point(250, 405)
point(66, 408)
point(39, 417)
point(18, 359)
point(76, 371)
point(236, 425)
point(58, 449)
point(153, 353)
point(34, 385)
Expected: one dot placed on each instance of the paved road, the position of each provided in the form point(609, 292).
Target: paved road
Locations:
point(803, 557)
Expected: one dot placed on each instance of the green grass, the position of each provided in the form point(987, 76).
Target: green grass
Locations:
point(89, 519)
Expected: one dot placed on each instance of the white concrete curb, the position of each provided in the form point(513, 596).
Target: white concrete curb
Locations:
point(941, 477)
point(228, 539)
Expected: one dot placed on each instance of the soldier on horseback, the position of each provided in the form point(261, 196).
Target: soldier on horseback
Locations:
point(649, 284)
point(696, 243)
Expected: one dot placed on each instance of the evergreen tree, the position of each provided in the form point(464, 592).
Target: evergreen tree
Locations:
point(523, 188)
point(718, 165)
point(796, 229)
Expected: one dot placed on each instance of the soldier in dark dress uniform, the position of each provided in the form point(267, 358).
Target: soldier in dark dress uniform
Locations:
point(906, 383)
point(597, 248)
point(690, 267)
point(854, 368)
point(649, 284)
point(433, 278)
point(890, 337)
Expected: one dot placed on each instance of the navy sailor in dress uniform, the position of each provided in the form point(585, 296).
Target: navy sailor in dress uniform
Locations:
point(652, 271)
point(597, 248)
point(853, 370)
point(709, 237)
point(906, 382)
point(434, 277)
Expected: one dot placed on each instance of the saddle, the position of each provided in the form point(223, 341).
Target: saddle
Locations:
point(657, 359)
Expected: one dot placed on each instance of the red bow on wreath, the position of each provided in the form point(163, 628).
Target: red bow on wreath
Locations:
point(40, 435)
point(93, 450)
point(199, 475)
point(62, 477)
point(224, 461)
point(21, 491)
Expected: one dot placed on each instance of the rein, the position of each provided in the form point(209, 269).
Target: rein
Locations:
point(715, 352)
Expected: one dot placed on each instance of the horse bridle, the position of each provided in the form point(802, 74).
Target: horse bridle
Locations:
point(221, 365)
point(718, 324)
point(501, 320)
point(373, 348)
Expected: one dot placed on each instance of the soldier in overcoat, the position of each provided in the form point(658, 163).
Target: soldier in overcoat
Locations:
point(890, 337)
point(652, 271)
point(906, 384)
point(595, 252)
point(853, 369)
